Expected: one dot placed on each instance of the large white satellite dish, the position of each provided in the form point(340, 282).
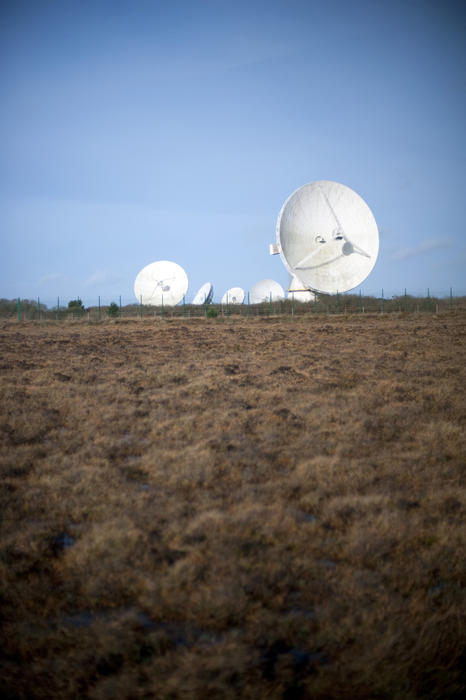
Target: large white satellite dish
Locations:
point(266, 290)
point(327, 237)
point(161, 282)
point(235, 295)
point(204, 295)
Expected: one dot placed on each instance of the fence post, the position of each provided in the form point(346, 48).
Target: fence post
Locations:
point(406, 300)
point(292, 303)
point(57, 315)
point(38, 306)
point(270, 310)
point(162, 306)
point(249, 304)
point(382, 301)
point(100, 312)
point(338, 302)
point(451, 298)
point(140, 306)
point(184, 305)
point(18, 309)
point(228, 307)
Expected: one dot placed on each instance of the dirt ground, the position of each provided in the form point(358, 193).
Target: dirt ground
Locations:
point(233, 508)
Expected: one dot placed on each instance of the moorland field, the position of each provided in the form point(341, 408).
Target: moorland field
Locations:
point(233, 508)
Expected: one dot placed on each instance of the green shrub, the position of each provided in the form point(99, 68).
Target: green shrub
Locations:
point(113, 310)
point(211, 312)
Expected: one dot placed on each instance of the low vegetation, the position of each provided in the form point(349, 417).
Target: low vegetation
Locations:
point(233, 508)
point(113, 310)
point(28, 310)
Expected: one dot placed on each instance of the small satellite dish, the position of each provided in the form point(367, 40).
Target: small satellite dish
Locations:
point(266, 290)
point(235, 295)
point(327, 237)
point(204, 295)
point(298, 292)
point(161, 282)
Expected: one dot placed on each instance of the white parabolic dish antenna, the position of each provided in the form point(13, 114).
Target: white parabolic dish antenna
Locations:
point(327, 237)
point(266, 290)
point(204, 295)
point(235, 295)
point(161, 282)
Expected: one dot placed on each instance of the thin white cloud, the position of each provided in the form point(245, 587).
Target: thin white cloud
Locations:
point(102, 277)
point(423, 247)
point(51, 277)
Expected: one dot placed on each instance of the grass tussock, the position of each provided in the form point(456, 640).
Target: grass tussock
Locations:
point(247, 509)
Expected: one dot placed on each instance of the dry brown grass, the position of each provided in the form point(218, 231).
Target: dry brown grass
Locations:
point(263, 508)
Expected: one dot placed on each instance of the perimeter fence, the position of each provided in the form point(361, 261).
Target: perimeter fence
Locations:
point(36, 310)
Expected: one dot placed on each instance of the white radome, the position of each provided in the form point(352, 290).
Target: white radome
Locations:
point(327, 237)
point(266, 290)
point(204, 295)
point(235, 295)
point(162, 282)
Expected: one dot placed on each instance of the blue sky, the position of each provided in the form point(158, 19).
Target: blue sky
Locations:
point(143, 130)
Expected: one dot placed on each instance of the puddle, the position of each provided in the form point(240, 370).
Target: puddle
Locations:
point(82, 619)
point(303, 613)
point(301, 515)
point(309, 518)
point(62, 542)
point(177, 633)
point(303, 661)
point(326, 563)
